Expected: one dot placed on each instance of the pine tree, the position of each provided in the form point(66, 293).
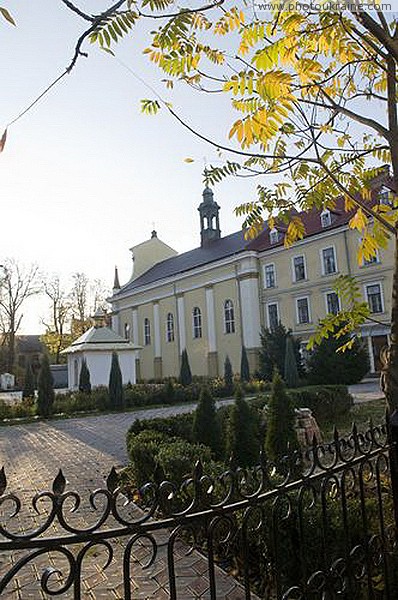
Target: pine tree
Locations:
point(116, 395)
point(280, 422)
point(291, 372)
point(327, 366)
point(45, 390)
point(84, 378)
point(273, 351)
point(244, 366)
point(29, 382)
point(228, 375)
point(242, 434)
point(206, 428)
point(185, 371)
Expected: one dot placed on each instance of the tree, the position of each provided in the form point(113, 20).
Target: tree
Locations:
point(307, 86)
point(84, 378)
point(244, 366)
point(56, 337)
point(29, 382)
point(116, 395)
point(243, 445)
point(17, 284)
point(290, 372)
point(326, 365)
point(206, 428)
point(281, 436)
point(228, 375)
point(45, 390)
point(273, 351)
point(80, 304)
point(185, 369)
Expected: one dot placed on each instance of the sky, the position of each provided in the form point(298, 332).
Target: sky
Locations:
point(85, 175)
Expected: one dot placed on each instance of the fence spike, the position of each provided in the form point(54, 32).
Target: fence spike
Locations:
point(3, 481)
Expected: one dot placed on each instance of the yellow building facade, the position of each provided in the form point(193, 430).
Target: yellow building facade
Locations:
point(215, 299)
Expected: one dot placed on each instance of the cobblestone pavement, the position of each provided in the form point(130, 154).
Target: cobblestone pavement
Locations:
point(86, 449)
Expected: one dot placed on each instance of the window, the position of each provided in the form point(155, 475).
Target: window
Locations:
point(375, 300)
point(328, 261)
point(197, 322)
point(147, 332)
point(299, 268)
point(273, 315)
point(127, 331)
point(384, 195)
point(229, 317)
point(332, 303)
point(170, 328)
point(326, 218)
point(303, 311)
point(269, 276)
point(274, 236)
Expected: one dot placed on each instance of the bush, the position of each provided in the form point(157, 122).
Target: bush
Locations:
point(74, 402)
point(185, 370)
point(244, 366)
point(84, 378)
point(45, 390)
point(243, 443)
point(228, 376)
point(327, 402)
point(281, 436)
point(177, 458)
point(116, 393)
point(18, 410)
point(177, 426)
point(205, 428)
point(327, 366)
point(29, 382)
point(143, 451)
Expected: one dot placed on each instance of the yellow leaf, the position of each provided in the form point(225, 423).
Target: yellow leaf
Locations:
point(189, 160)
point(358, 221)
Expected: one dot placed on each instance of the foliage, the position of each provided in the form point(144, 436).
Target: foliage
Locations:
point(84, 378)
point(45, 390)
point(273, 351)
point(228, 375)
point(244, 366)
point(29, 382)
point(326, 365)
point(176, 426)
point(78, 402)
point(116, 392)
point(243, 444)
point(291, 376)
point(185, 370)
point(205, 427)
point(281, 435)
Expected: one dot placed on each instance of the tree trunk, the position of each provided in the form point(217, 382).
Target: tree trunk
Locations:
point(390, 355)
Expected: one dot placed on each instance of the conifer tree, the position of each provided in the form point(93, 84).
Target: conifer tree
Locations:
point(45, 390)
point(244, 366)
point(116, 395)
point(29, 382)
point(206, 428)
point(291, 372)
point(228, 375)
point(84, 378)
point(280, 422)
point(242, 435)
point(185, 370)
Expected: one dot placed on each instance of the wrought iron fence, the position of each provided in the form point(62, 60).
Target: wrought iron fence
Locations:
point(319, 525)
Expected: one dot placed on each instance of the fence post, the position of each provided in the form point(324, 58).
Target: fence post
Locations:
point(392, 428)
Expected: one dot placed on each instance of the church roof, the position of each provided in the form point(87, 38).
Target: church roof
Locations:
point(99, 338)
point(215, 250)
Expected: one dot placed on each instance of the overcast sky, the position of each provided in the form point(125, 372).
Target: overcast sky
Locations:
point(84, 175)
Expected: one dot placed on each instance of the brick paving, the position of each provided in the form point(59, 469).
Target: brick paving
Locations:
point(86, 449)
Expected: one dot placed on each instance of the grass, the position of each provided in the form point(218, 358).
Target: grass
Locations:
point(360, 414)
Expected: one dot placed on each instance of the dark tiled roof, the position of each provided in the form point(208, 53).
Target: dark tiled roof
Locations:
point(29, 343)
point(216, 250)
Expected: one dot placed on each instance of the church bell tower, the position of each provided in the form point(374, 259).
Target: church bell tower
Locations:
point(209, 218)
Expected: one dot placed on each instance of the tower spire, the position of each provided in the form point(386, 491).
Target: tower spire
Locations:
point(209, 218)
point(116, 284)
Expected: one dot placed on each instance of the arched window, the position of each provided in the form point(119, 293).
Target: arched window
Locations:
point(127, 331)
point(147, 332)
point(170, 328)
point(229, 316)
point(197, 322)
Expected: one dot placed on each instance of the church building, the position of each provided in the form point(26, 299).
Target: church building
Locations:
point(214, 299)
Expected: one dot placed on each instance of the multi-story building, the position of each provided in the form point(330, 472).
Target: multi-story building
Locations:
point(214, 299)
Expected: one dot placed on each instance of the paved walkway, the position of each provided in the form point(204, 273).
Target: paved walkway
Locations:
point(86, 449)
